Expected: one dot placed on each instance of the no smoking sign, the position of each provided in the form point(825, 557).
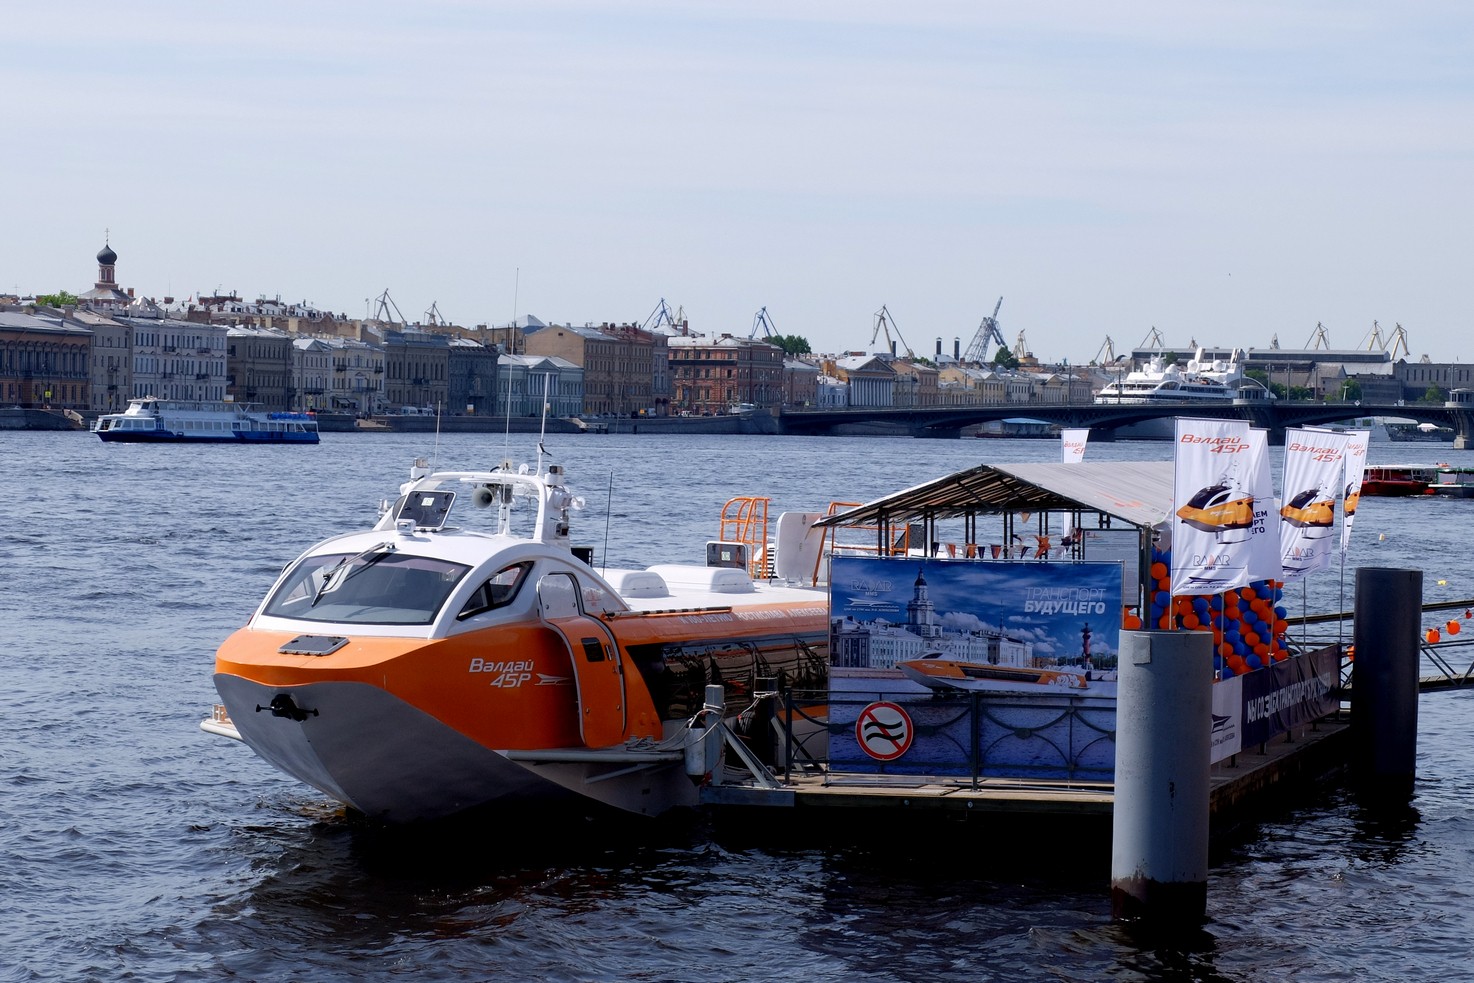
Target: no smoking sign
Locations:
point(884, 731)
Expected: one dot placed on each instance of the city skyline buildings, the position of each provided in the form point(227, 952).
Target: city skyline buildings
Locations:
point(1229, 173)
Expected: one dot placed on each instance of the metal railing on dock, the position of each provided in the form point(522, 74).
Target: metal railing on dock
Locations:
point(1438, 656)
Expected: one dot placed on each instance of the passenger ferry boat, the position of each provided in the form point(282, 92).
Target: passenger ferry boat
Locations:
point(1453, 482)
point(426, 666)
point(1392, 480)
point(153, 420)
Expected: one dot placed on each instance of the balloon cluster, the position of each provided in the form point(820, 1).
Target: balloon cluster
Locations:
point(1248, 623)
point(1433, 636)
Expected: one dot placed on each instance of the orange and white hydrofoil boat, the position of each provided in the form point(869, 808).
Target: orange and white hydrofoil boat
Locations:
point(424, 667)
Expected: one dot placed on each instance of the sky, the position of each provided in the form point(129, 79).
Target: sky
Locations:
point(1230, 174)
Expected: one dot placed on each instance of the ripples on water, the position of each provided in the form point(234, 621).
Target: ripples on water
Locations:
point(135, 847)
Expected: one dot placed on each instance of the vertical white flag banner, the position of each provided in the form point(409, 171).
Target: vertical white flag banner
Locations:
point(1213, 506)
point(1264, 535)
point(1314, 468)
point(1072, 445)
point(1356, 466)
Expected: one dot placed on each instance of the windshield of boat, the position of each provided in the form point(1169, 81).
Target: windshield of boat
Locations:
point(376, 587)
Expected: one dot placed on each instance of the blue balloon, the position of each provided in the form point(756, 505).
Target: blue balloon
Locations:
point(1239, 648)
point(1253, 662)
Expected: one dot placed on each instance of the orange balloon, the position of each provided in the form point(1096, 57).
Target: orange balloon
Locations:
point(1165, 621)
point(1433, 637)
point(1251, 638)
point(1190, 622)
point(1452, 627)
point(1159, 570)
point(1248, 593)
point(1225, 650)
point(1132, 623)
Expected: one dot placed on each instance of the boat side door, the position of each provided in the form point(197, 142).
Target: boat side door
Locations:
point(598, 672)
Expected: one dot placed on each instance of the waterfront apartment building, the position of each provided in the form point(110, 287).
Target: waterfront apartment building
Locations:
point(259, 367)
point(312, 374)
point(800, 382)
point(111, 360)
point(417, 369)
point(710, 377)
point(915, 385)
point(472, 382)
point(358, 376)
point(869, 379)
point(528, 382)
point(618, 363)
point(44, 362)
point(175, 359)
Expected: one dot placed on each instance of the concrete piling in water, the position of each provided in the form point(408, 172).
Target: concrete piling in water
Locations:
point(1384, 679)
point(1159, 833)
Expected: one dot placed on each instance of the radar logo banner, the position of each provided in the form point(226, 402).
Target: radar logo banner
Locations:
point(1315, 464)
point(1213, 506)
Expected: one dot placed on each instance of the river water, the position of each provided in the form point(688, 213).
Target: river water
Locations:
point(134, 847)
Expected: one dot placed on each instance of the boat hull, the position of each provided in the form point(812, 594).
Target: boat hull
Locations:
point(168, 437)
point(394, 762)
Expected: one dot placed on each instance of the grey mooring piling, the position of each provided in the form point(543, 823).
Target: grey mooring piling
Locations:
point(1159, 832)
point(1384, 679)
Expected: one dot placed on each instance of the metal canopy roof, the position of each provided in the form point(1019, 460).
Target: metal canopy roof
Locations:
point(1138, 492)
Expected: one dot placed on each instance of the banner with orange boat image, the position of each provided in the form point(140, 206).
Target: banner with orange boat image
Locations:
point(1313, 475)
point(1214, 507)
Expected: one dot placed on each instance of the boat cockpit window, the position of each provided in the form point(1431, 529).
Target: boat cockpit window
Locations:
point(498, 591)
point(376, 587)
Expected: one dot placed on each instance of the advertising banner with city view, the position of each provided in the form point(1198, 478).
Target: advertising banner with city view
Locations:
point(913, 641)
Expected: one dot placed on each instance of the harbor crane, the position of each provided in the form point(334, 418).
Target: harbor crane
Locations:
point(885, 322)
point(1398, 341)
point(1153, 339)
point(1021, 347)
point(661, 315)
point(761, 320)
point(434, 317)
point(1319, 338)
point(1377, 341)
point(977, 351)
point(386, 304)
point(1107, 349)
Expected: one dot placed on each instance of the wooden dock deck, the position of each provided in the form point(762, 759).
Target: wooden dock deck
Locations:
point(1247, 779)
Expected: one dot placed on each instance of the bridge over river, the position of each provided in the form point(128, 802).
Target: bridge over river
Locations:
point(1103, 419)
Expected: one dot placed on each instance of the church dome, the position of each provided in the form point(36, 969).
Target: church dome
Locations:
point(107, 257)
